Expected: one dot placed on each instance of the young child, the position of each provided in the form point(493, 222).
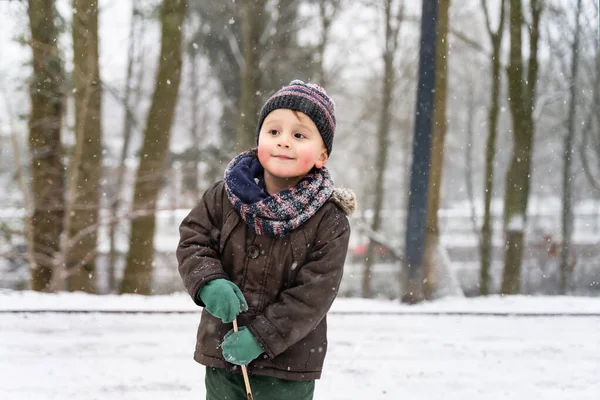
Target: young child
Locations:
point(267, 246)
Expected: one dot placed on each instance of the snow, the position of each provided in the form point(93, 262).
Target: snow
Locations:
point(377, 349)
point(23, 301)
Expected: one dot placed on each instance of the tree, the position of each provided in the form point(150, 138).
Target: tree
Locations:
point(196, 117)
point(86, 163)
point(490, 148)
point(138, 271)
point(46, 91)
point(522, 80)
point(219, 37)
point(131, 96)
point(591, 137)
point(393, 21)
point(439, 280)
point(252, 11)
point(270, 28)
point(328, 10)
point(568, 176)
point(282, 58)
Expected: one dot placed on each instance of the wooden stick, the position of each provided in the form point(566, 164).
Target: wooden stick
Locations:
point(244, 370)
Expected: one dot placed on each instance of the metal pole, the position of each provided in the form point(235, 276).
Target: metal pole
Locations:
point(419, 177)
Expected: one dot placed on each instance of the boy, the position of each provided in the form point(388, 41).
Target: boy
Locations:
point(267, 245)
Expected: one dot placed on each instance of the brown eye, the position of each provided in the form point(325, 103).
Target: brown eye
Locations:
point(299, 135)
point(273, 132)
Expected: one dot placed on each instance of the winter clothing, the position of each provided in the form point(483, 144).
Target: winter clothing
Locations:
point(283, 252)
point(289, 282)
point(221, 385)
point(279, 214)
point(240, 347)
point(308, 98)
point(223, 299)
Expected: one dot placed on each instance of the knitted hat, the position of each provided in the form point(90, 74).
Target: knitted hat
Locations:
point(308, 98)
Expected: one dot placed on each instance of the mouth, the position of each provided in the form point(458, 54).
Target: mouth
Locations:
point(282, 157)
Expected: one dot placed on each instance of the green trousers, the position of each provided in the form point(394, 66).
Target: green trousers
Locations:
point(223, 385)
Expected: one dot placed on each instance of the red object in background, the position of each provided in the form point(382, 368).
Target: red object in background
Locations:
point(361, 250)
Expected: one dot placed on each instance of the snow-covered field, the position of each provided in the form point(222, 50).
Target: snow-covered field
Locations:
point(510, 348)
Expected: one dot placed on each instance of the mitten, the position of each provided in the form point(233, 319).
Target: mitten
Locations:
point(240, 347)
point(223, 299)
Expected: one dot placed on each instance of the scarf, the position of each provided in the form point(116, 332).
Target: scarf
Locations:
point(273, 215)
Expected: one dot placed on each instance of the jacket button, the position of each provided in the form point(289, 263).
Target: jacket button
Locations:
point(252, 252)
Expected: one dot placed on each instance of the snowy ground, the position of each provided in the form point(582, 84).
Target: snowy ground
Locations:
point(508, 348)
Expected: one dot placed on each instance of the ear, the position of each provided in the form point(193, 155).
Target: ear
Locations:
point(322, 159)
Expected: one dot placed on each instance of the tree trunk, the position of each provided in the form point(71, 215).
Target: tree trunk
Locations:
point(568, 176)
point(587, 130)
point(116, 194)
point(521, 90)
point(138, 270)
point(387, 87)
point(486, 244)
point(87, 159)
point(47, 168)
point(252, 12)
point(436, 268)
point(471, 113)
point(196, 123)
point(515, 205)
point(327, 13)
point(280, 45)
point(266, 28)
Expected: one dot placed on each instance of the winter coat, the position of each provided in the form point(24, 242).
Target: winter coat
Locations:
point(289, 283)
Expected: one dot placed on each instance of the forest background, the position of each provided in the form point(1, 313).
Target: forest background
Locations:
point(115, 116)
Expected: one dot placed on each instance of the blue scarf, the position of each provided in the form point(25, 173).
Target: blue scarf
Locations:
point(273, 215)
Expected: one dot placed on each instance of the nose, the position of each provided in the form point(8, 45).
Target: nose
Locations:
point(283, 141)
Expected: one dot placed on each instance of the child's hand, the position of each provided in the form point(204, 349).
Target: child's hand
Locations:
point(240, 347)
point(223, 299)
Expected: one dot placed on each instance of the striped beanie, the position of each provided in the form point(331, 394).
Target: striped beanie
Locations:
point(309, 99)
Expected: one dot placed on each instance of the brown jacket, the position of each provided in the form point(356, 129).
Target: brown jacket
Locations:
point(289, 283)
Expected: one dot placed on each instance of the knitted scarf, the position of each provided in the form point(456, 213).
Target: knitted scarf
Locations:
point(273, 215)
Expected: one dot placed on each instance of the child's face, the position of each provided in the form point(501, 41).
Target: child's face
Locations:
point(289, 145)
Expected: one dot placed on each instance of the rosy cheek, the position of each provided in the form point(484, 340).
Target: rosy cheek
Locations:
point(263, 152)
point(305, 160)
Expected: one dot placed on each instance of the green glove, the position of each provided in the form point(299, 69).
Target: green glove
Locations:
point(223, 299)
point(240, 347)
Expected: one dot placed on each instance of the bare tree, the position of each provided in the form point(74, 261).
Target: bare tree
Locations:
point(130, 97)
point(20, 175)
point(138, 271)
point(45, 122)
point(328, 10)
point(197, 92)
point(486, 245)
point(253, 49)
point(590, 144)
point(252, 11)
point(522, 80)
point(471, 113)
point(393, 22)
point(196, 117)
point(439, 280)
point(568, 176)
point(86, 163)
